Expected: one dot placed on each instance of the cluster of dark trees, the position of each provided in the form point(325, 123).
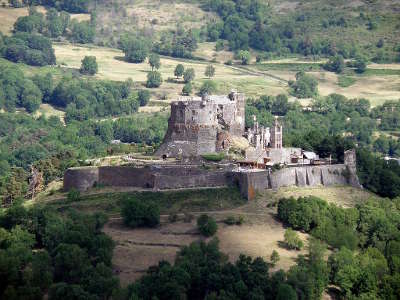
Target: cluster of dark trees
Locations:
point(56, 24)
point(62, 257)
point(18, 91)
point(179, 43)
point(366, 242)
point(84, 99)
point(30, 48)
point(72, 6)
point(201, 271)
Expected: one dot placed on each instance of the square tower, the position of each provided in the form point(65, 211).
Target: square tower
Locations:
point(276, 135)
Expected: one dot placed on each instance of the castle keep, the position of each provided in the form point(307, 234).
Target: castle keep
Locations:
point(203, 125)
point(211, 124)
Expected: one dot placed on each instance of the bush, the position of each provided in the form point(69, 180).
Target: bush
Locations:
point(293, 240)
point(214, 156)
point(137, 213)
point(274, 257)
point(154, 79)
point(73, 195)
point(207, 225)
point(231, 220)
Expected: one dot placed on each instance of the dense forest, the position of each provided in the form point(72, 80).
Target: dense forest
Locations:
point(365, 239)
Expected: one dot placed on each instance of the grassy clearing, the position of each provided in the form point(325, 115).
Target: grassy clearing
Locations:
point(169, 201)
point(113, 67)
point(346, 81)
point(344, 196)
point(376, 88)
point(49, 111)
point(381, 72)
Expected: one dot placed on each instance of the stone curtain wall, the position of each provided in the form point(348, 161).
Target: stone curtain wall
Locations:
point(252, 182)
point(177, 177)
point(158, 178)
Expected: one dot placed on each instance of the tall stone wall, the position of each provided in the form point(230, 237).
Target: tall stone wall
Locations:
point(252, 182)
point(159, 178)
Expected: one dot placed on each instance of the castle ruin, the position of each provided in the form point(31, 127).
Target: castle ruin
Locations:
point(210, 124)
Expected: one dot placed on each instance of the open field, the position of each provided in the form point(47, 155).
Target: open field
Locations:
point(113, 67)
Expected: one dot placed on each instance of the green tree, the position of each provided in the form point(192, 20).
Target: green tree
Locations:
point(89, 65)
point(187, 89)
point(244, 56)
point(207, 225)
point(136, 213)
point(293, 240)
point(179, 70)
point(210, 71)
point(335, 64)
point(286, 292)
point(208, 87)
point(189, 75)
point(154, 79)
point(144, 97)
point(135, 49)
point(154, 61)
point(274, 257)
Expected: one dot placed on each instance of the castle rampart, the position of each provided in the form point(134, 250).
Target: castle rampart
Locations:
point(191, 176)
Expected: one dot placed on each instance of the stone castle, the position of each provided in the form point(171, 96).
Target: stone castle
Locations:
point(211, 124)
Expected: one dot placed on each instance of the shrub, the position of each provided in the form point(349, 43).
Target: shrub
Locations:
point(73, 195)
point(207, 225)
point(230, 220)
point(214, 156)
point(293, 240)
point(137, 213)
point(275, 257)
